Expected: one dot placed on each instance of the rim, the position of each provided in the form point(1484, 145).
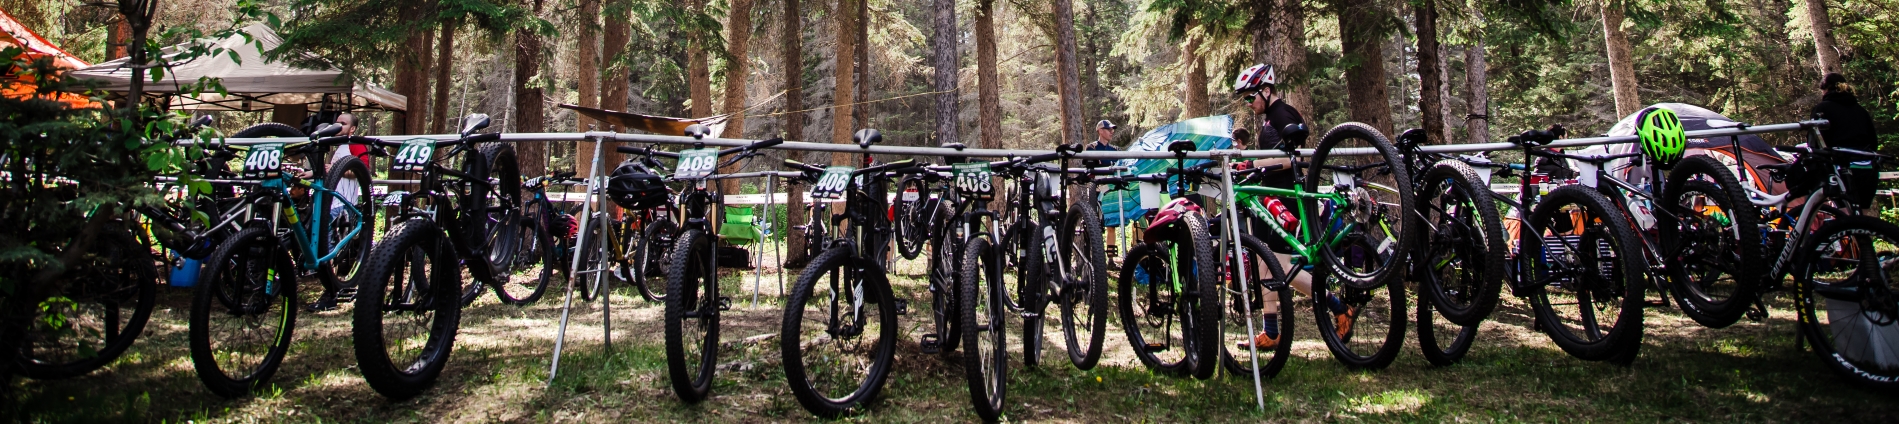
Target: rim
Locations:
point(253, 320)
point(839, 351)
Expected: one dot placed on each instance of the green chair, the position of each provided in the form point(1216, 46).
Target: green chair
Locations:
point(738, 228)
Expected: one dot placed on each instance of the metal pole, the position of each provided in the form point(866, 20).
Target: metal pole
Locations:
point(1239, 260)
point(566, 310)
point(599, 195)
point(758, 266)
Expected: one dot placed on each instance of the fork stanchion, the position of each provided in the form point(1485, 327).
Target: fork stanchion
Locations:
point(594, 185)
point(1239, 271)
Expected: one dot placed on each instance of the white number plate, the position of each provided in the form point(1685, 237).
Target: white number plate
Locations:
point(414, 156)
point(910, 195)
point(975, 180)
point(264, 161)
point(832, 185)
point(697, 163)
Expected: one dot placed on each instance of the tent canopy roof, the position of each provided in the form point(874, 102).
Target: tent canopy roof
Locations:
point(254, 83)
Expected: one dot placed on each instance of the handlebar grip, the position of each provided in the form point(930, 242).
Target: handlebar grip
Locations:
point(774, 141)
point(483, 138)
point(802, 166)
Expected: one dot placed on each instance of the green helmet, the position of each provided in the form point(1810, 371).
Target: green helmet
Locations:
point(1662, 138)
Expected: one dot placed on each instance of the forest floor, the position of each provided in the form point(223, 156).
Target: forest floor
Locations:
point(499, 371)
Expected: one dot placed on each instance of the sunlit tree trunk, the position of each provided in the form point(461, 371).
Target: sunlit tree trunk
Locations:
point(943, 57)
point(1621, 60)
point(793, 69)
point(1430, 73)
point(616, 32)
point(587, 75)
point(527, 100)
point(1360, 27)
point(1195, 102)
point(860, 115)
point(738, 41)
point(844, 71)
point(444, 64)
point(1068, 72)
point(1476, 76)
point(698, 73)
point(988, 84)
point(1823, 44)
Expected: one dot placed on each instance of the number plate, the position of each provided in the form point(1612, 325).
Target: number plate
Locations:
point(911, 195)
point(1150, 195)
point(415, 155)
point(697, 163)
point(264, 161)
point(975, 180)
point(832, 185)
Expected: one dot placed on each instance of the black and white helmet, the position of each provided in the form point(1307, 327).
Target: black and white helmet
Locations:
point(1254, 78)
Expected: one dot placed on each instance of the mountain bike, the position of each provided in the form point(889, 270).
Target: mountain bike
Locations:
point(546, 234)
point(693, 302)
point(650, 234)
point(1842, 263)
point(409, 308)
point(243, 311)
point(1060, 248)
point(839, 333)
point(1458, 260)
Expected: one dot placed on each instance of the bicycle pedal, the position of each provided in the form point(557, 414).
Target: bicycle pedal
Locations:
point(346, 295)
point(903, 306)
point(1028, 315)
point(930, 344)
point(725, 303)
point(1155, 347)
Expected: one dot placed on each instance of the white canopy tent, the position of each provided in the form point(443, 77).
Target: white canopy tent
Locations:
point(255, 84)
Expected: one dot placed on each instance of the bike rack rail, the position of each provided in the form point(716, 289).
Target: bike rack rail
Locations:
point(596, 182)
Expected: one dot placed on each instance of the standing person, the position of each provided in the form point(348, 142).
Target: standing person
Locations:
point(1850, 126)
point(1256, 86)
point(346, 188)
point(1104, 131)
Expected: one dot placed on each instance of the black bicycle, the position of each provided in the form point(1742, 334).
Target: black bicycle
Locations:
point(693, 302)
point(840, 325)
point(408, 308)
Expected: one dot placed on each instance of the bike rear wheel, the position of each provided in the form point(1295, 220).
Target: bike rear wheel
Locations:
point(839, 333)
point(243, 313)
point(1460, 257)
point(985, 328)
point(946, 260)
point(692, 317)
point(913, 193)
point(1589, 295)
point(106, 302)
point(653, 251)
point(1365, 328)
point(1082, 292)
point(1268, 288)
point(1153, 310)
point(1379, 198)
point(1716, 254)
point(1847, 300)
point(407, 314)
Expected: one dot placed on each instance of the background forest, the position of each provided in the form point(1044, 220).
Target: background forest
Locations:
point(1478, 67)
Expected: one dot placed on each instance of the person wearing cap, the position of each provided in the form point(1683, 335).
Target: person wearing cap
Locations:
point(1256, 86)
point(1850, 126)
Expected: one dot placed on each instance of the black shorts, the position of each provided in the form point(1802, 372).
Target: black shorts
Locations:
point(1860, 187)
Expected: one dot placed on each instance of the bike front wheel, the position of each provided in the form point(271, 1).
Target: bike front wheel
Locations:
point(1375, 197)
point(1082, 290)
point(1847, 300)
point(1586, 275)
point(839, 332)
point(985, 328)
point(1247, 319)
point(243, 313)
point(692, 317)
point(103, 309)
point(407, 312)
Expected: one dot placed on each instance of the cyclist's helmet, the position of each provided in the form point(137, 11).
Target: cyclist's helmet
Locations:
point(1254, 78)
point(633, 187)
point(1662, 138)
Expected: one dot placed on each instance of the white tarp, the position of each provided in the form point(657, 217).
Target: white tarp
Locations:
point(250, 77)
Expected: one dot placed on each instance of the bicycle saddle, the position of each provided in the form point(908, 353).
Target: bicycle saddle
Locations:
point(1411, 138)
point(867, 137)
point(474, 122)
point(1293, 136)
point(327, 130)
point(697, 131)
point(1532, 138)
point(1181, 146)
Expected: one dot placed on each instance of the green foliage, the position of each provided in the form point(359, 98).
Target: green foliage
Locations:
point(363, 38)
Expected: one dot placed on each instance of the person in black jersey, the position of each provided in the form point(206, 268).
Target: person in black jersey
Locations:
point(1257, 87)
point(1850, 126)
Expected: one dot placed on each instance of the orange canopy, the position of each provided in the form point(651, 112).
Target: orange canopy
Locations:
point(14, 34)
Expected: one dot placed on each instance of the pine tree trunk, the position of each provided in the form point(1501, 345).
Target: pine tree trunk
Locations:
point(1194, 103)
point(738, 41)
point(1823, 43)
point(1365, 81)
point(444, 65)
point(1287, 51)
point(1067, 68)
point(793, 70)
point(1476, 76)
point(587, 73)
point(943, 57)
point(1430, 73)
point(860, 115)
point(1621, 60)
point(527, 100)
point(1092, 98)
point(844, 73)
point(988, 84)
point(412, 79)
point(614, 35)
point(698, 73)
